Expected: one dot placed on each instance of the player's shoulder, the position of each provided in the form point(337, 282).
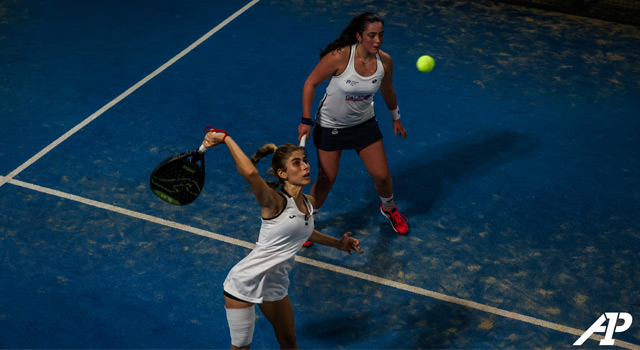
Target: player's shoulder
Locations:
point(340, 53)
point(336, 60)
point(387, 62)
point(385, 57)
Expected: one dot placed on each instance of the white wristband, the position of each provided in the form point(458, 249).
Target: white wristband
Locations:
point(395, 113)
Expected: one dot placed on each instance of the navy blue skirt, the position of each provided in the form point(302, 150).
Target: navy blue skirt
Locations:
point(354, 137)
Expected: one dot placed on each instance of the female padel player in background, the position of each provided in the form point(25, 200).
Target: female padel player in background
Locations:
point(357, 69)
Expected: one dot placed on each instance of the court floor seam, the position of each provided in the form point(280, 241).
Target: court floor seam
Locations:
point(320, 264)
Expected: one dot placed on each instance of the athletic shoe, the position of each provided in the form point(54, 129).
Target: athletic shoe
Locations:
point(398, 221)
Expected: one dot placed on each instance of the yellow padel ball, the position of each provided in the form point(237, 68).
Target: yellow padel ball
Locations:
point(425, 63)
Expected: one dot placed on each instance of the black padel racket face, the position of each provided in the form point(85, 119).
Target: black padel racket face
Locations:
point(179, 179)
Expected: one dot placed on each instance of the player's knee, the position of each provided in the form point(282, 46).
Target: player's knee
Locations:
point(382, 180)
point(327, 179)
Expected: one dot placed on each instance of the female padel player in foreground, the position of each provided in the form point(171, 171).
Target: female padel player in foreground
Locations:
point(263, 276)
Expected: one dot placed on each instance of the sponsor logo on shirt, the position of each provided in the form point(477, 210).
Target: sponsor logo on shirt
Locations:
point(356, 98)
point(352, 82)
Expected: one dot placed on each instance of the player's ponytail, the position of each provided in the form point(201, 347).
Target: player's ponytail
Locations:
point(264, 151)
point(348, 35)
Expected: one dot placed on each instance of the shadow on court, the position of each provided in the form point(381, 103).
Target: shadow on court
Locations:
point(420, 186)
point(403, 327)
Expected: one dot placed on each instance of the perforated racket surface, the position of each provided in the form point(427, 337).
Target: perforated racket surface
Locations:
point(179, 179)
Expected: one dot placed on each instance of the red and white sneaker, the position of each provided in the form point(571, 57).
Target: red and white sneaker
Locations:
point(398, 221)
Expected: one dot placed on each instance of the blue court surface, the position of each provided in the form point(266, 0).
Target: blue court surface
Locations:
point(519, 175)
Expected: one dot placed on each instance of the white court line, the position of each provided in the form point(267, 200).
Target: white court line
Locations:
point(325, 266)
point(122, 96)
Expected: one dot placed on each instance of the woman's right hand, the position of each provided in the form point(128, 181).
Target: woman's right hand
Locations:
point(349, 243)
point(213, 139)
point(304, 129)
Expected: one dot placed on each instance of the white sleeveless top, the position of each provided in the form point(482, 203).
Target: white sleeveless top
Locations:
point(348, 100)
point(264, 273)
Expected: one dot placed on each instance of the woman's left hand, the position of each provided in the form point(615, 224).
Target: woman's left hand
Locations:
point(349, 243)
point(399, 129)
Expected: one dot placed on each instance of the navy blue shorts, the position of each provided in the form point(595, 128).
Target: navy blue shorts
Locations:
point(354, 137)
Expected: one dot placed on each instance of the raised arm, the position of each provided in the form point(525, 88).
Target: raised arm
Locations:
point(268, 199)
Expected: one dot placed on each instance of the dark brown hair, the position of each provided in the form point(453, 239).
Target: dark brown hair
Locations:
point(278, 161)
point(348, 36)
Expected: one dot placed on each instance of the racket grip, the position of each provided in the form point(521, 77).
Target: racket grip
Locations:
point(303, 140)
point(202, 149)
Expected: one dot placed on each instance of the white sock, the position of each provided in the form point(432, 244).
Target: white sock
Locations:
point(387, 203)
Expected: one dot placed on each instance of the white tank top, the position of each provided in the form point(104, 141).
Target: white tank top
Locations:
point(348, 100)
point(264, 273)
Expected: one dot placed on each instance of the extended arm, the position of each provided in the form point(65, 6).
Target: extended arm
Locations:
point(346, 243)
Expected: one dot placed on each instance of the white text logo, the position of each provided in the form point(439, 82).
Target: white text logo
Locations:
point(609, 329)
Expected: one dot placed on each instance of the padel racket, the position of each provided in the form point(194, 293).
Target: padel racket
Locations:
point(180, 179)
point(303, 140)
